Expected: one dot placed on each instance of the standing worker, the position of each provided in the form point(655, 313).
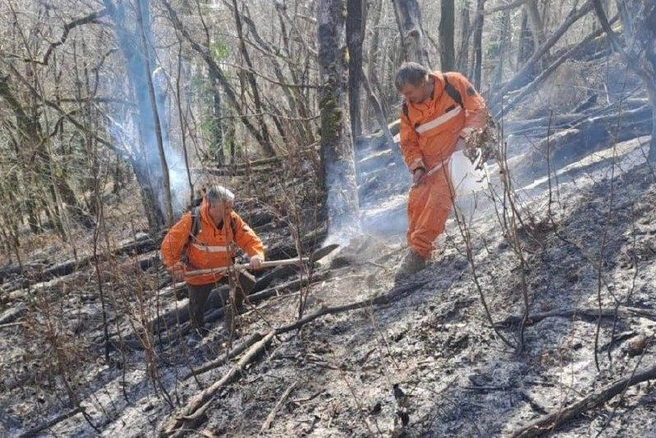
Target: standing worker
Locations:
point(440, 111)
point(219, 231)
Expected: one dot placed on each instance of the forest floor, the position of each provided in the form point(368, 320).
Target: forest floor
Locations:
point(415, 358)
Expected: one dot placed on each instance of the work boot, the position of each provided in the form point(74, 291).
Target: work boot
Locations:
point(412, 263)
point(196, 336)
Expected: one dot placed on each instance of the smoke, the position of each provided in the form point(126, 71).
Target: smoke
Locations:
point(381, 185)
point(140, 130)
point(342, 202)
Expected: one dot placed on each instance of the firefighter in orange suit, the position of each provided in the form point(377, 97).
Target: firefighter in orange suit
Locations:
point(213, 246)
point(439, 112)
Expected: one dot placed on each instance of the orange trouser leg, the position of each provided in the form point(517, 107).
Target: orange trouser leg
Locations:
point(429, 205)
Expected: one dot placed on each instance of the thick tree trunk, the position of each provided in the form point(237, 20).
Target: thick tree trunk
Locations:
point(336, 142)
point(148, 163)
point(535, 22)
point(446, 32)
point(478, 45)
point(375, 61)
point(355, 27)
point(639, 31)
point(462, 57)
point(152, 112)
point(526, 43)
point(408, 19)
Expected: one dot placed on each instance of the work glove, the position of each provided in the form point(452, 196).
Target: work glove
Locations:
point(255, 262)
point(177, 271)
point(417, 176)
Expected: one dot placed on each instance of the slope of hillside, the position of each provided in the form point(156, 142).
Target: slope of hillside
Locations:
point(371, 357)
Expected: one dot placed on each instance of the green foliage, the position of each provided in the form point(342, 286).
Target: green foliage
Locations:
point(219, 50)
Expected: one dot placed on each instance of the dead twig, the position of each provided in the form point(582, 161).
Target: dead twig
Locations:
point(66, 415)
point(269, 419)
point(550, 422)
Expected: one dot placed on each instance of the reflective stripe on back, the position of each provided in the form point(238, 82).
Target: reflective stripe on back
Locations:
point(210, 248)
point(441, 120)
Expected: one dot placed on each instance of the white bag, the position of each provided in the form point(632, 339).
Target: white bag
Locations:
point(467, 177)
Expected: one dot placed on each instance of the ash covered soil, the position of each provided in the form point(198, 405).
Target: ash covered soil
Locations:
point(451, 352)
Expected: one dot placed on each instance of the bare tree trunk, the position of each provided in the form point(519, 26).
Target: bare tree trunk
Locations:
point(639, 31)
point(523, 75)
point(355, 27)
point(336, 143)
point(143, 18)
point(300, 130)
point(447, 35)
point(374, 60)
point(378, 110)
point(408, 19)
point(149, 165)
point(535, 22)
point(250, 77)
point(212, 64)
point(639, 23)
point(652, 145)
point(462, 57)
point(504, 43)
point(478, 44)
point(217, 128)
point(526, 44)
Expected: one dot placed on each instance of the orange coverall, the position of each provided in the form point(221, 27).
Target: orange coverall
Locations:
point(213, 247)
point(429, 132)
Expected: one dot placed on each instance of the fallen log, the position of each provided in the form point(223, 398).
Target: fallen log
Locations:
point(550, 422)
point(189, 419)
point(585, 313)
point(384, 299)
point(589, 136)
point(12, 315)
point(172, 325)
point(298, 261)
point(36, 273)
point(58, 419)
point(252, 339)
point(542, 126)
point(309, 243)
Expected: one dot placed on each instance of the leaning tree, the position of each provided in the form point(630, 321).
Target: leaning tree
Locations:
point(639, 52)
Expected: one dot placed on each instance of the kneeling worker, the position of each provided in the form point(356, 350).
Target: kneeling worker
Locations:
point(213, 245)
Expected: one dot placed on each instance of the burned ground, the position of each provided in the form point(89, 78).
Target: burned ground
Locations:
point(452, 351)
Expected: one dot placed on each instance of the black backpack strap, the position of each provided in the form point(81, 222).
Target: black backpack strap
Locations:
point(195, 223)
point(193, 231)
point(451, 91)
